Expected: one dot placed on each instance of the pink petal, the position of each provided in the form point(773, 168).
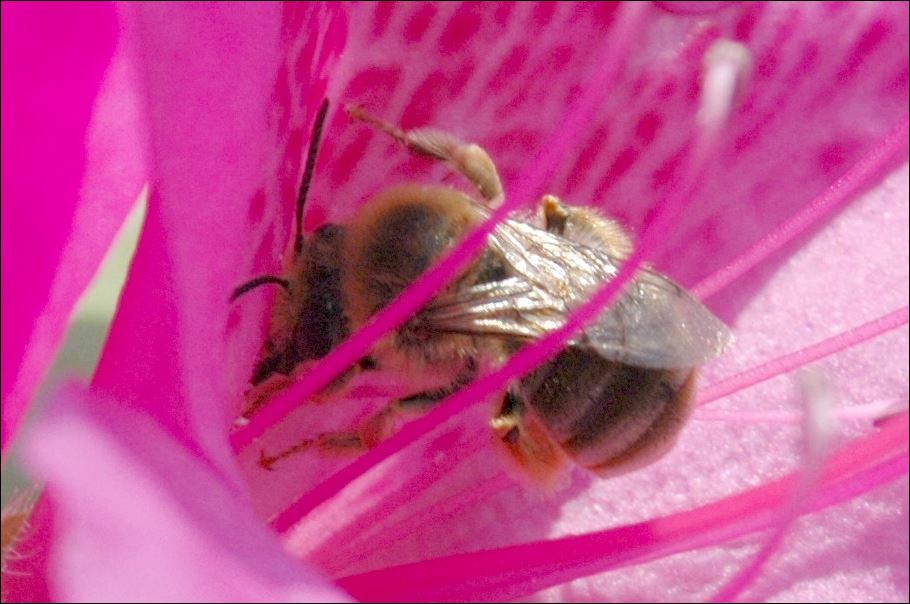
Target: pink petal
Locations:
point(829, 82)
point(138, 514)
point(73, 164)
point(227, 92)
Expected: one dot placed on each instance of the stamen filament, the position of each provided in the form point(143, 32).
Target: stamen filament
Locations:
point(517, 571)
point(804, 356)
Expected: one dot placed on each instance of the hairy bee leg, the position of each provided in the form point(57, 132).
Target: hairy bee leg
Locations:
point(376, 428)
point(585, 226)
point(507, 422)
point(421, 401)
point(466, 158)
point(260, 393)
point(526, 440)
point(368, 434)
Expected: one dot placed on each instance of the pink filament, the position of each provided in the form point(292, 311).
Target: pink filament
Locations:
point(817, 436)
point(834, 197)
point(516, 571)
point(610, 58)
point(867, 411)
point(794, 360)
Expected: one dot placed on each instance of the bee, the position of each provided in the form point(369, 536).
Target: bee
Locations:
point(612, 400)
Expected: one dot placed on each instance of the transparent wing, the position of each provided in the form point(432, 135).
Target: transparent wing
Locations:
point(654, 323)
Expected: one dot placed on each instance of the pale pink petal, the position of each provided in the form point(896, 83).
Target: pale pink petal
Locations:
point(141, 517)
point(73, 164)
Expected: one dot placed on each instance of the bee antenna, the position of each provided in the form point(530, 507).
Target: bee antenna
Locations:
point(263, 280)
point(308, 171)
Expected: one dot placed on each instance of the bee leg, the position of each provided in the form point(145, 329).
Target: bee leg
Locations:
point(368, 434)
point(526, 440)
point(378, 426)
point(260, 392)
point(422, 401)
point(466, 158)
point(585, 226)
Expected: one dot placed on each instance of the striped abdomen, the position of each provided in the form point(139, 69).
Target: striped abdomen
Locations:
point(609, 417)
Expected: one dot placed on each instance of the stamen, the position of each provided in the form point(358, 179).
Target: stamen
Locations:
point(609, 58)
point(844, 189)
point(514, 572)
point(804, 356)
point(728, 68)
point(818, 397)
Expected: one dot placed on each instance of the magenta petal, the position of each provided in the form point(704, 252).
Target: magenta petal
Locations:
point(229, 94)
point(73, 165)
point(138, 516)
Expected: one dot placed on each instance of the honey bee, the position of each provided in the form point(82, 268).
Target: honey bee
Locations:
point(613, 399)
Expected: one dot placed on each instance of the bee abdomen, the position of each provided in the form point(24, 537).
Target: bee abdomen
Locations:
point(610, 417)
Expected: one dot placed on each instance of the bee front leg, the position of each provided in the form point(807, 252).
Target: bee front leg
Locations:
point(468, 159)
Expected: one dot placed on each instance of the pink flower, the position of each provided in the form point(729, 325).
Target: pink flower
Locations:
point(146, 496)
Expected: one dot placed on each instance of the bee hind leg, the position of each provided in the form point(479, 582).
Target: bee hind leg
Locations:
point(526, 441)
point(467, 159)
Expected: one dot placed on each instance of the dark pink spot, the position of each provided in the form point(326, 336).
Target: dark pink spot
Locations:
point(509, 67)
point(381, 17)
point(460, 77)
point(621, 164)
point(806, 62)
point(374, 84)
point(233, 319)
point(463, 24)
point(257, 205)
point(418, 22)
point(832, 158)
point(292, 15)
point(429, 95)
point(512, 104)
point(293, 154)
point(667, 90)
point(543, 13)
point(767, 63)
point(667, 170)
point(897, 85)
point(747, 20)
point(871, 38)
point(282, 97)
point(502, 12)
point(693, 90)
point(558, 58)
point(264, 253)
point(604, 12)
point(647, 127)
point(304, 65)
point(588, 155)
point(347, 160)
point(687, 8)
